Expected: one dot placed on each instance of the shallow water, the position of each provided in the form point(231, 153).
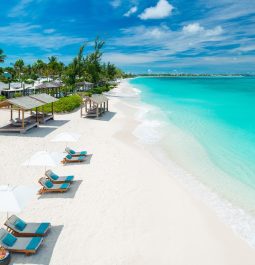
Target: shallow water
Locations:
point(207, 125)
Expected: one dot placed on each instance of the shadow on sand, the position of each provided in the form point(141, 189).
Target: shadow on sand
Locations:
point(107, 116)
point(45, 251)
point(56, 123)
point(70, 194)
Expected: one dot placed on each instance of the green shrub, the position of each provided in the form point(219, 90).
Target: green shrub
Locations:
point(2, 98)
point(17, 94)
point(98, 90)
point(85, 94)
point(29, 81)
point(66, 104)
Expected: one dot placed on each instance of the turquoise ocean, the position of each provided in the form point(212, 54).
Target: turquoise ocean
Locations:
point(207, 126)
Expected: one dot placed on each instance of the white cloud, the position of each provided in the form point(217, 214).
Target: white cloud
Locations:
point(215, 31)
point(195, 28)
point(163, 9)
point(21, 8)
point(167, 63)
point(137, 58)
point(27, 35)
point(131, 11)
point(246, 48)
point(228, 9)
point(162, 37)
point(115, 3)
point(161, 44)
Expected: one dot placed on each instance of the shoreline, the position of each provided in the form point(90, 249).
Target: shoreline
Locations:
point(125, 207)
point(239, 219)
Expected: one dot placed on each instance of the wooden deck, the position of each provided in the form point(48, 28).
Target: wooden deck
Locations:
point(42, 118)
point(14, 128)
point(91, 113)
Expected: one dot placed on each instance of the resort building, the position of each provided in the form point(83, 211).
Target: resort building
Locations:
point(52, 88)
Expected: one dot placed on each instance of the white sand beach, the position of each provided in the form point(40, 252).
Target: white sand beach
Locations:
point(124, 208)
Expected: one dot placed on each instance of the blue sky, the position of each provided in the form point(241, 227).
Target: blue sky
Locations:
point(152, 35)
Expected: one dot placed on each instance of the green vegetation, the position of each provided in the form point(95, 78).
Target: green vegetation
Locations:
point(2, 56)
point(2, 98)
point(84, 67)
point(66, 104)
point(96, 90)
point(18, 94)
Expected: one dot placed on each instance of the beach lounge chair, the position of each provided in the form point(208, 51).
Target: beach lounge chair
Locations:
point(48, 186)
point(74, 153)
point(19, 228)
point(54, 178)
point(18, 122)
point(73, 159)
point(26, 245)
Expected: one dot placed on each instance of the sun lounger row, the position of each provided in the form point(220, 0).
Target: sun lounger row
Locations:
point(22, 237)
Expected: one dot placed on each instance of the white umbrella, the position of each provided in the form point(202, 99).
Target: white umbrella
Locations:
point(42, 158)
point(66, 137)
point(14, 199)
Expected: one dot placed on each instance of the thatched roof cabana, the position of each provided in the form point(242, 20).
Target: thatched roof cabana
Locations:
point(46, 99)
point(84, 85)
point(25, 103)
point(22, 105)
point(49, 88)
point(95, 105)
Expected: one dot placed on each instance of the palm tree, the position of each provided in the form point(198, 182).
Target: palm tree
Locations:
point(39, 67)
point(19, 66)
point(76, 68)
point(93, 61)
point(55, 68)
point(2, 56)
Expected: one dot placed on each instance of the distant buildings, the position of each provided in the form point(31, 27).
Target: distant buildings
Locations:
point(41, 85)
point(37, 87)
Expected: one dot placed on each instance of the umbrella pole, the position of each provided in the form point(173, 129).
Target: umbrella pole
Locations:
point(7, 212)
